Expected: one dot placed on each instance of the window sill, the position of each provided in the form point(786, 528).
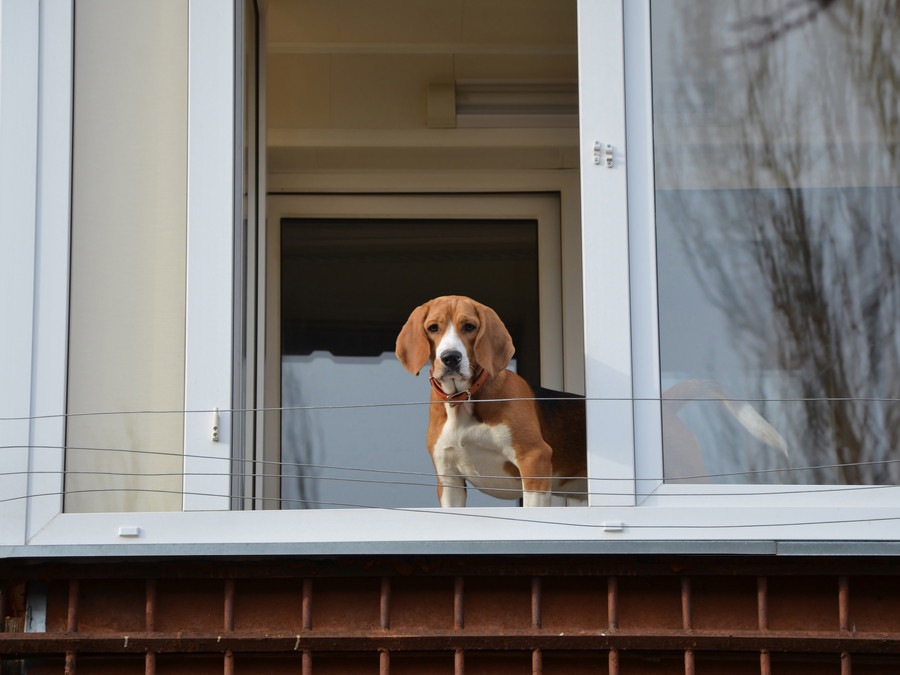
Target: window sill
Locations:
point(571, 531)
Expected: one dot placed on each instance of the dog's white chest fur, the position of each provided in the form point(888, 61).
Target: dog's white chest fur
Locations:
point(479, 452)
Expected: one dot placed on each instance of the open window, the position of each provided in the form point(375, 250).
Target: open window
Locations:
point(350, 119)
point(408, 155)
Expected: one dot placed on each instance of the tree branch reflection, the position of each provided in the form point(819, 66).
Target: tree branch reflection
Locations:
point(777, 176)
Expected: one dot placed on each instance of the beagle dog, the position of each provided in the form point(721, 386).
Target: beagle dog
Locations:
point(485, 426)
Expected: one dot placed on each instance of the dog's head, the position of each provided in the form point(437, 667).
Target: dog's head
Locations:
point(459, 336)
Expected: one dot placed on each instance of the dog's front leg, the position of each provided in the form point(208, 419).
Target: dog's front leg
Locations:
point(451, 484)
point(537, 483)
point(535, 497)
point(452, 491)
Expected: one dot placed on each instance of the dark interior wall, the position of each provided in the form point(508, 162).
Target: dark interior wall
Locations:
point(348, 285)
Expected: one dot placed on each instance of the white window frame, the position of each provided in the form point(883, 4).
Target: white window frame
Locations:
point(209, 334)
point(543, 206)
point(620, 325)
point(19, 82)
point(36, 140)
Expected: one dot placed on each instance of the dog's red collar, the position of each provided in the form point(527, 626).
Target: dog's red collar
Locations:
point(459, 397)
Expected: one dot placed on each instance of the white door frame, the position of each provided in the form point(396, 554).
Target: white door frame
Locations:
point(541, 206)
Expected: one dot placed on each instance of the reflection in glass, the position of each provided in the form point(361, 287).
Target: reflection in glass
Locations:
point(777, 169)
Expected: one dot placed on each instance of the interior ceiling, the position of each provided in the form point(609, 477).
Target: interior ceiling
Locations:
point(348, 83)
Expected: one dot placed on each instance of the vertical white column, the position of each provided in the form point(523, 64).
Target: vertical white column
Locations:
point(208, 352)
point(53, 217)
point(607, 320)
point(642, 249)
point(19, 24)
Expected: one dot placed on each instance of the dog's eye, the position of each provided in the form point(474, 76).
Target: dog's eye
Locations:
point(469, 327)
point(433, 328)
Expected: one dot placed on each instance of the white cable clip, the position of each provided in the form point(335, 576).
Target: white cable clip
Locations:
point(215, 429)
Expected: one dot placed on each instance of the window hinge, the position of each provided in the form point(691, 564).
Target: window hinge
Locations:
point(605, 151)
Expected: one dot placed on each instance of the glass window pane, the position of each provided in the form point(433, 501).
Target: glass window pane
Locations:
point(777, 169)
point(128, 260)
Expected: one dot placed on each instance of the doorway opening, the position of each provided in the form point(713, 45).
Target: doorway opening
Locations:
point(346, 286)
point(399, 156)
point(352, 424)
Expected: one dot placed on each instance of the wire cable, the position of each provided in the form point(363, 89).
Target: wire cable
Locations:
point(463, 513)
point(263, 462)
point(398, 404)
point(380, 475)
point(802, 490)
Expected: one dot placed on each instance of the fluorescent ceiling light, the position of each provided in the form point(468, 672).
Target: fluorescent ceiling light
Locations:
point(503, 103)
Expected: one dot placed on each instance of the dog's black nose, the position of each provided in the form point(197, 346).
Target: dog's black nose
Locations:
point(451, 359)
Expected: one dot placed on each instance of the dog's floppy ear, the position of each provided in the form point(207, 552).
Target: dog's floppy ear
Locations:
point(413, 347)
point(493, 345)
